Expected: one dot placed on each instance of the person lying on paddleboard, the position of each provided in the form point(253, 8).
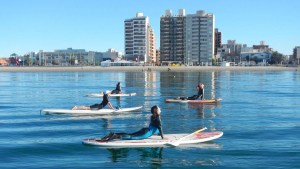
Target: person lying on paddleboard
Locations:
point(200, 90)
point(155, 127)
point(118, 89)
point(105, 101)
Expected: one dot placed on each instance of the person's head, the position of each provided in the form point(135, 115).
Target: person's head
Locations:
point(201, 85)
point(106, 92)
point(155, 110)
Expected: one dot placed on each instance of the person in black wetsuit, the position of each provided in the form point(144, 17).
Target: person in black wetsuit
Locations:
point(105, 101)
point(200, 89)
point(155, 127)
point(118, 89)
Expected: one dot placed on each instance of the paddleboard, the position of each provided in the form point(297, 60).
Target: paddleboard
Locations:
point(111, 95)
point(156, 141)
point(90, 112)
point(192, 101)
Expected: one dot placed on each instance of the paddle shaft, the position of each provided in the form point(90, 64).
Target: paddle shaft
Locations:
point(191, 134)
point(176, 143)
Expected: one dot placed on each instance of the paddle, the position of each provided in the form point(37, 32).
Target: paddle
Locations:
point(176, 143)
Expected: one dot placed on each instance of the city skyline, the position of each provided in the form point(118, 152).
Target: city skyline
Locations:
point(48, 25)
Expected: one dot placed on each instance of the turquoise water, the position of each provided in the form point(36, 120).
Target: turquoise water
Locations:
point(259, 115)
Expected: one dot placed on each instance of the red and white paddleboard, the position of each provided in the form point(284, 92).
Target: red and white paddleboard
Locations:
point(156, 141)
point(192, 101)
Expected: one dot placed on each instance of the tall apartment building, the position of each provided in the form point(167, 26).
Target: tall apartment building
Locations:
point(200, 38)
point(218, 40)
point(172, 37)
point(151, 45)
point(188, 39)
point(157, 57)
point(139, 39)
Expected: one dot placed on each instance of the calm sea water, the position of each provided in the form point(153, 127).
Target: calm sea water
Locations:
point(259, 115)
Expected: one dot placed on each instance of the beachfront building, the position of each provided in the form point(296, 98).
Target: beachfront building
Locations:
point(187, 39)
point(296, 54)
point(172, 37)
point(218, 40)
point(232, 48)
point(139, 39)
point(108, 63)
point(112, 54)
point(152, 45)
point(157, 57)
point(262, 47)
point(253, 58)
point(30, 59)
point(200, 38)
point(66, 57)
point(4, 62)
point(260, 54)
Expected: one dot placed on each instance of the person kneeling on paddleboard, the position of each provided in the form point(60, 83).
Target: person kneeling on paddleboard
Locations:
point(118, 89)
point(105, 101)
point(200, 90)
point(155, 127)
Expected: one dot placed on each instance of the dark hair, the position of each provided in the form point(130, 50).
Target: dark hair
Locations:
point(153, 108)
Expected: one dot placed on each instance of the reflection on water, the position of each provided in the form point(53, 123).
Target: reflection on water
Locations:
point(87, 117)
point(106, 123)
point(185, 83)
point(154, 154)
point(205, 110)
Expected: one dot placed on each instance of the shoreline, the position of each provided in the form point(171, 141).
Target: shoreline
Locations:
point(145, 68)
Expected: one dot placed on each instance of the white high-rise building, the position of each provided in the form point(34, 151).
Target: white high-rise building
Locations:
point(139, 39)
point(187, 39)
point(200, 38)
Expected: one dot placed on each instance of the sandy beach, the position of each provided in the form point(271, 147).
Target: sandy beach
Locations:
point(146, 68)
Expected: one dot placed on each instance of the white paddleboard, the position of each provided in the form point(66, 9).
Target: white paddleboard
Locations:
point(156, 141)
point(111, 95)
point(91, 112)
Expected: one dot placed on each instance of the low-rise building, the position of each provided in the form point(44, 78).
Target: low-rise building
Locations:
point(261, 58)
point(108, 63)
point(66, 57)
point(4, 62)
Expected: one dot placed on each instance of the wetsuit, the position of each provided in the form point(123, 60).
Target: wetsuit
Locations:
point(117, 90)
point(104, 102)
point(200, 94)
point(155, 127)
point(195, 97)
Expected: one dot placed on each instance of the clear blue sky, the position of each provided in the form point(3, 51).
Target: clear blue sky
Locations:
point(96, 25)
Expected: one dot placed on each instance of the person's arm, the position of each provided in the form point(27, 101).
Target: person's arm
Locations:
point(110, 106)
point(160, 128)
point(161, 132)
